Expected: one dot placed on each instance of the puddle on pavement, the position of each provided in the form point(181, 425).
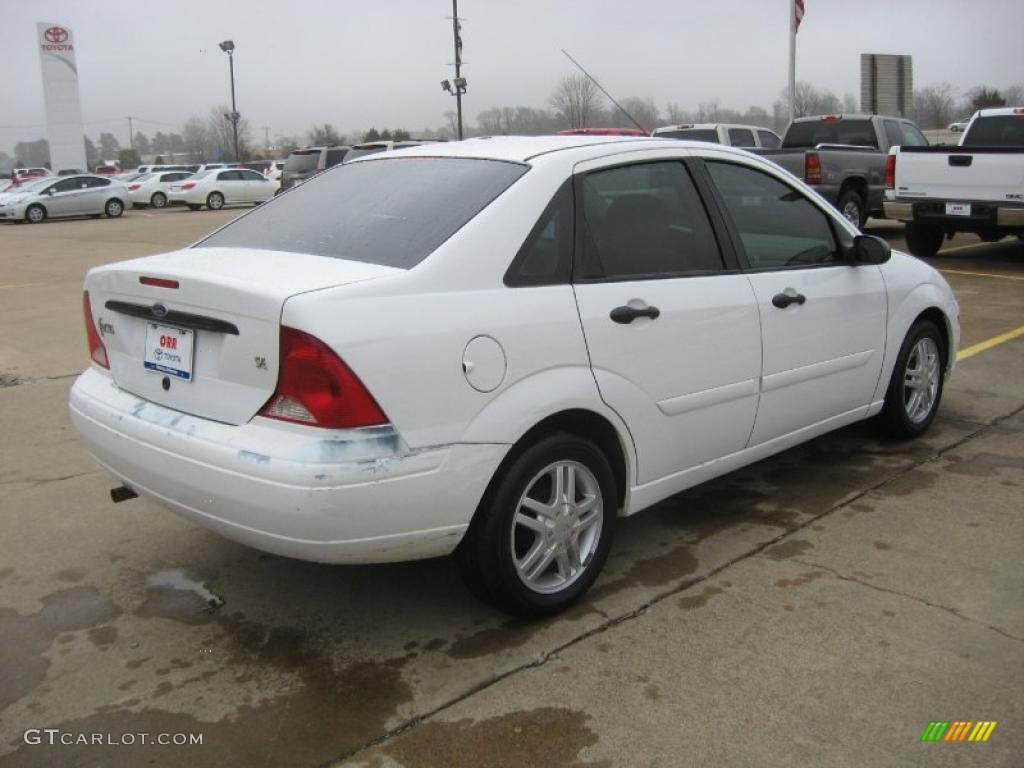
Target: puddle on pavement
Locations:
point(789, 548)
point(552, 736)
point(26, 638)
point(688, 602)
point(797, 581)
point(983, 464)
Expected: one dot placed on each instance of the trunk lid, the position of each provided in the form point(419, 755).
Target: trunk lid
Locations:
point(231, 301)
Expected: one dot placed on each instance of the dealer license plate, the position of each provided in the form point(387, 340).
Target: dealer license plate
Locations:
point(169, 350)
point(958, 209)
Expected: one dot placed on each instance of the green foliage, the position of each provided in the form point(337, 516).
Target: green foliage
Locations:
point(128, 158)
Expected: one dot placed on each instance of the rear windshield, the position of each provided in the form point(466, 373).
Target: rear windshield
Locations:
point(859, 132)
point(394, 212)
point(693, 134)
point(996, 131)
point(302, 161)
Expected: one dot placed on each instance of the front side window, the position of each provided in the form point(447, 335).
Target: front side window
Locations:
point(741, 137)
point(393, 211)
point(67, 185)
point(778, 226)
point(912, 137)
point(334, 156)
point(642, 221)
point(893, 134)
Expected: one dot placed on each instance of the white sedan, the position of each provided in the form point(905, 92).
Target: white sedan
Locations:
point(497, 347)
point(153, 188)
point(218, 188)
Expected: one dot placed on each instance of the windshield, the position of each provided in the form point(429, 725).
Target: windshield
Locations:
point(393, 212)
point(996, 131)
point(859, 132)
point(302, 161)
point(693, 134)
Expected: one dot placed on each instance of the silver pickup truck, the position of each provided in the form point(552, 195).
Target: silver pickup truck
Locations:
point(843, 157)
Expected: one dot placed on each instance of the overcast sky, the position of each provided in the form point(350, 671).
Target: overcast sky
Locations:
point(359, 64)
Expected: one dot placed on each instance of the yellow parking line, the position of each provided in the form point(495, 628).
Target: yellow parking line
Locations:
point(981, 346)
point(18, 285)
point(972, 246)
point(980, 274)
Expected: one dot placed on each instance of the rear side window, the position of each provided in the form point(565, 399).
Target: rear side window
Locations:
point(741, 137)
point(229, 176)
point(769, 140)
point(996, 131)
point(846, 131)
point(94, 182)
point(778, 226)
point(394, 212)
point(546, 256)
point(334, 156)
point(643, 221)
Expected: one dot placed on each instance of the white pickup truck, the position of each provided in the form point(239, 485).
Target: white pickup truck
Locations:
point(976, 187)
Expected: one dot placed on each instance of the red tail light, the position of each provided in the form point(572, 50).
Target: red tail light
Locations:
point(97, 352)
point(890, 172)
point(831, 118)
point(812, 168)
point(133, 187)
point(159, 282)
point(188, 185)
point(315, 387)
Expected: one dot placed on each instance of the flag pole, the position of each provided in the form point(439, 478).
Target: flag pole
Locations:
point(792, 58)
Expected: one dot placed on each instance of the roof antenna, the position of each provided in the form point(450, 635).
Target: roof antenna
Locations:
point(612, 100)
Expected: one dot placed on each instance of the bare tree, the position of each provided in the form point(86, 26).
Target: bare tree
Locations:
point(197, 140)
point(1014, 95)
point(644, 111)
point(219, 124)
point(325, 134)
point(982, 97)
point(676, 114)
point(577, 100)
point(808, 100)
point(708, 111)
point(936, 105)
point(849, 104)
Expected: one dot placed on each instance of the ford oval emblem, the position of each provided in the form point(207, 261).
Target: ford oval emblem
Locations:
point(159, 310)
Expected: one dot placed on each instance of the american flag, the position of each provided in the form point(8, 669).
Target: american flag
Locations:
point(798, 11)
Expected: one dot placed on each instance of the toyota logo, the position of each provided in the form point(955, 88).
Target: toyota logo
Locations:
point(159, 310)
point(56, 34)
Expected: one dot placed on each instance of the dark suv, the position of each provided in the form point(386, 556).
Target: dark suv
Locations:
point(309, 161)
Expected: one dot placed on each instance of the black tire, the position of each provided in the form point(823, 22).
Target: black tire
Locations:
point(35, 214)
point(114, 208)
point(194, 207)
point(895, 418)
point(215, 201)
point(486, 555)
point(923, 240)
point(158, 200)
point(851, 205)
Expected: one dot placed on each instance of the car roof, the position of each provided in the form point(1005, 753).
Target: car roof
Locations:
point(1000, 111)
point(530, 149)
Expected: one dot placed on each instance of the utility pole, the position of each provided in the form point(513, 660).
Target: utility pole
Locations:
point(131, 135)
point(266, 137)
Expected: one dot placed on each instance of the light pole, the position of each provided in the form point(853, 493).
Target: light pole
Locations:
point(228, 47)
point(457, 87)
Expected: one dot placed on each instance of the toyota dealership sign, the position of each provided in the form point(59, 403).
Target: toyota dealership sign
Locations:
point(60, 95)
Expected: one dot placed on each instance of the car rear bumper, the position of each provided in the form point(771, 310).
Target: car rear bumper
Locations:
point(355, 496)
point(984, 214)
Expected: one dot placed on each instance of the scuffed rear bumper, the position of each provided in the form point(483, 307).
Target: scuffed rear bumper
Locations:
point(356, 496)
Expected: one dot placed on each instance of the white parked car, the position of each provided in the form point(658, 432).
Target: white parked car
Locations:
point(497, 347)
point(54, 197)
point(274, 170)
point(153, 188)
point(959, 126)
point(218, 188)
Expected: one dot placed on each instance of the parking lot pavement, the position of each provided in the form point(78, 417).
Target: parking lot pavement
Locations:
point(818, 608)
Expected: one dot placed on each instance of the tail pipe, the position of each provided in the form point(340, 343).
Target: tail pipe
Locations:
point(122, 493)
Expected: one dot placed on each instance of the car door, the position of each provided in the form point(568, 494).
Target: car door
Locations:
point(232, 186)
point(257, 188)
point(60, 199)
point(671, 324)
point(822, 317)
point(94, 195)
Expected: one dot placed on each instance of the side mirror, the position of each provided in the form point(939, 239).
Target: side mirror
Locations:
point(50, 191)
point(869, 249)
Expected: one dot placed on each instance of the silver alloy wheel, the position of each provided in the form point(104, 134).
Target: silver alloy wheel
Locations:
point(851, 211)
point(921, 379)
point(159, 200)
point(35, 214)
point(557, 527)
point(215, 201)
point(114, 208)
